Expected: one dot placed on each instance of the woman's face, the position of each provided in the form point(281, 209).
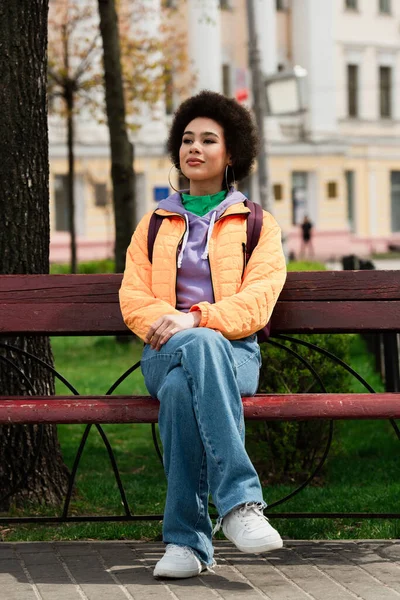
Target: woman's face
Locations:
point(203, 156)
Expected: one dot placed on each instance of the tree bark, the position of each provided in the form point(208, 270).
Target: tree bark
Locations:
point(24, 243)
point(122, 152)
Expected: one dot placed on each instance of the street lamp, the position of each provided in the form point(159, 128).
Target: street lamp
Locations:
point(283, 93)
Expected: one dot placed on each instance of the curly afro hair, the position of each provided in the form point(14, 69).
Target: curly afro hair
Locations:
point(241, 138)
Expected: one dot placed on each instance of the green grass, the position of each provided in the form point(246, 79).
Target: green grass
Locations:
point(363, 473)
point(385, 255)
point(305, 265)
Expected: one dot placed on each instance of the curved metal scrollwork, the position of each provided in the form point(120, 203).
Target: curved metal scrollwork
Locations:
point(82, 444)
point(342, 364)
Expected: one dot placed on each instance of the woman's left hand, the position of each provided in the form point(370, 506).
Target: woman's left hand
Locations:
point(167, 325)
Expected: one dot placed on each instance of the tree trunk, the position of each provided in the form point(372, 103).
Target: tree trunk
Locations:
point(122, 153)
point(24, 242)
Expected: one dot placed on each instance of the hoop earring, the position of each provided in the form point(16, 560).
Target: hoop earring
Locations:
point(226, 177)
point(169, 178)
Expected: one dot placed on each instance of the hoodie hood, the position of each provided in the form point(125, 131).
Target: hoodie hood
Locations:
point(174, 204)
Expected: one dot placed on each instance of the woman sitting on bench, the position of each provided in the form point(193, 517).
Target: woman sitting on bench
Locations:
point(197, 306)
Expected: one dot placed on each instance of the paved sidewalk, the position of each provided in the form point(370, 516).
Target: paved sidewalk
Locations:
point(302, 570)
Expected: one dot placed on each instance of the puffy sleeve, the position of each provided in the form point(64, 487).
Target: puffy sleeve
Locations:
point(139, 307)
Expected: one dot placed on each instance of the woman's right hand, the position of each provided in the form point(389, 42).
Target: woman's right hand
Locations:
point(167, 325)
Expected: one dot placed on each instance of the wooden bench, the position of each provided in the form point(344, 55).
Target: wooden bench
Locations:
point(311, 302)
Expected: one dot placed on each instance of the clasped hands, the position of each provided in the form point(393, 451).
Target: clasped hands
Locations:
point(167, 325)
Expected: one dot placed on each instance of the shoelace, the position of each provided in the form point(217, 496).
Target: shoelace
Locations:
point(245, 513)
point(179, 550)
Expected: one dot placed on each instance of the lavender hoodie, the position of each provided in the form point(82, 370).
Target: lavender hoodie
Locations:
point(194, 277)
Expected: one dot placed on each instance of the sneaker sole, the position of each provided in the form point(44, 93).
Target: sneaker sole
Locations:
point(272, 545)
point(165, 573)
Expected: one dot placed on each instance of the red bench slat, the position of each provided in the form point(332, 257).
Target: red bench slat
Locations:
point(105, 319)
point(103, 288)
point(142, 409)
point(322, 301)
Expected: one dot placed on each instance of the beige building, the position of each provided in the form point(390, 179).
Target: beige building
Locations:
point(338, 162)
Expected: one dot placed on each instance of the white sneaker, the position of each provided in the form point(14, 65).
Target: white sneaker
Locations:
point(178, 562)
point(250, 531)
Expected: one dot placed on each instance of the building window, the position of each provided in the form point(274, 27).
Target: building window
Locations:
point(226, 80)
point(278, 191)
point(61, 202)
point(300, 196)
point(350, 198)
point(170, 3)
point(100, 194)
point(384, 7)
point(332, 190)
point(395, 199)
point(225, 4)
point(385, 92)
point(352, 90)
point(351, 5)
point(281, 5)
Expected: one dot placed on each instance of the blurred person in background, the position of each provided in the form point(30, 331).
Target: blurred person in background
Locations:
point(306, 238)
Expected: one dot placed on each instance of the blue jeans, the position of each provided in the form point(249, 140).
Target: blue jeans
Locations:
point(199, 377)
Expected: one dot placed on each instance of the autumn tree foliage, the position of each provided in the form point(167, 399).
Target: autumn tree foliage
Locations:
point(148, 55)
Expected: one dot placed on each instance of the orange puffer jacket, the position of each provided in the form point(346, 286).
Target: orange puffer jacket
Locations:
point(245, 295)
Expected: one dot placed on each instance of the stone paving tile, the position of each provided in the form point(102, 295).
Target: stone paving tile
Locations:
point(307, 577)
point(341, 563)
point(380, 567)
point(265, 576)
point(302, 570)
point(132, 571)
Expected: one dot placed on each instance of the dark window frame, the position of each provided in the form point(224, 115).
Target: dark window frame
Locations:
point(332, 189)
point(352, 90)
point(350, 177)
point(101, 195)
point(351, 5)
point(227, 80)
point(384, 7)
point(278, 191)
point(385, 92)
point(61, 206)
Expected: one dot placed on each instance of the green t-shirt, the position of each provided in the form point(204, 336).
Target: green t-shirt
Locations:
point(201, 205)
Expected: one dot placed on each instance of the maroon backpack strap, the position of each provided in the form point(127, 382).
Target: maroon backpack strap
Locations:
point(254, 225)
point(154, 226)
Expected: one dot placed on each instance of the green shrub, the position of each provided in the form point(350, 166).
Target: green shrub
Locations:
point(287, 450)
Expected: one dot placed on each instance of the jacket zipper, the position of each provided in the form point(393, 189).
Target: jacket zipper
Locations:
point(244, 259)
point(208, 257)
point(211, 277)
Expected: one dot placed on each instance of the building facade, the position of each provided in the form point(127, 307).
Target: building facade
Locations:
point(338, 162)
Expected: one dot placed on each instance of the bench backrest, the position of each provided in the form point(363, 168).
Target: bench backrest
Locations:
point(319, 301)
